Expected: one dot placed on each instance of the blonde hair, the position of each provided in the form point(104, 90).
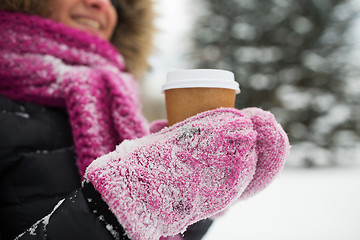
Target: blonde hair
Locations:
point(133, 36)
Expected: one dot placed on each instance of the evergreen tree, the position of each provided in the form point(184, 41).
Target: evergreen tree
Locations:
point(288, 56)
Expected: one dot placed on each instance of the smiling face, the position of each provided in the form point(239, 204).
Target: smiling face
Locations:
point(97, 17)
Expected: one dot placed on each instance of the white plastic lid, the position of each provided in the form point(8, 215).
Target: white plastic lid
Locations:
point(201, 78)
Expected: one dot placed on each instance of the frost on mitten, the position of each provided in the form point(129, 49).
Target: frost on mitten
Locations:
point(159, 184)
point(272, 147)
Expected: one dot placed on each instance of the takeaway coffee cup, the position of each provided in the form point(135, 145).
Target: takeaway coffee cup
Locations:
point(188, 92)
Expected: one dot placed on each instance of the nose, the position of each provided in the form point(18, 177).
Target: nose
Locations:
point(100, 5)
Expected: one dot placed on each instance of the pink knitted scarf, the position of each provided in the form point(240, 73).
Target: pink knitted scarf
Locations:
point(48, 63)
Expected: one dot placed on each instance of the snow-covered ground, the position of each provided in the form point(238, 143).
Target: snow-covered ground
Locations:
point(300, 204)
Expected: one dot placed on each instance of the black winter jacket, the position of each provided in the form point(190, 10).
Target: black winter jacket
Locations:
point(38, 169)
point(37, 163)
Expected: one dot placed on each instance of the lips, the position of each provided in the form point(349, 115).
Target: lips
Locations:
point(88, 22)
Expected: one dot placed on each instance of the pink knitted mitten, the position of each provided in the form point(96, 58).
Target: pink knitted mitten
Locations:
point(157, 125)
point(272, 147)
point(159, 184)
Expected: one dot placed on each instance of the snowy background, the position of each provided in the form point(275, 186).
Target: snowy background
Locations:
point(311, 204)
point(299, 205)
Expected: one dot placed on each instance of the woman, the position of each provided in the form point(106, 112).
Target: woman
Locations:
point(67, 98)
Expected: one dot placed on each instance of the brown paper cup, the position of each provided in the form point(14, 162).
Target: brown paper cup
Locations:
point(189, 92)
point(182, 103)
